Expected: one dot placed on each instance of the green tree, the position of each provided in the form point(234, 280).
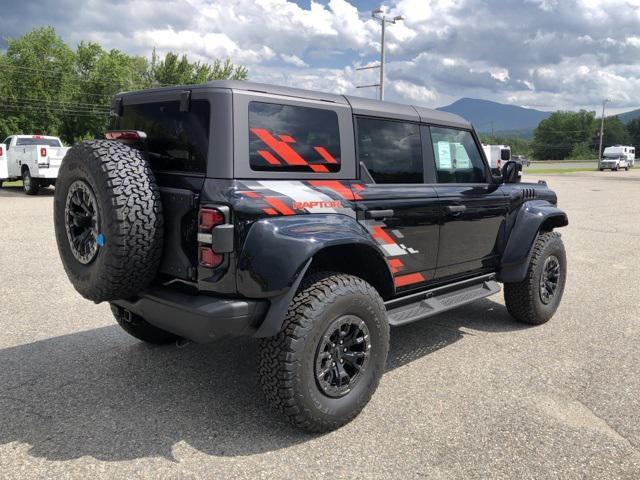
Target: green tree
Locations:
point(633, 127)
point(174, 70)
point(557, 136)
point(615, 133)
point(37, 75)
point(47, 87)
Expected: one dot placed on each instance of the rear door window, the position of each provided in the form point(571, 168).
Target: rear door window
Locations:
point(290, 138)
point(457, 157)
point(50, 142)
point(177, 141)
point(391, 150)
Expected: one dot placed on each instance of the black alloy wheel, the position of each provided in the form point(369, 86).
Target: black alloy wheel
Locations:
point(82, 222)
point(342, 355)
point(549, 279)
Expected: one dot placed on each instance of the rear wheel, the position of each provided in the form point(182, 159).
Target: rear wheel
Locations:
point(324, 366)
point(29, 184)
point(535, 299)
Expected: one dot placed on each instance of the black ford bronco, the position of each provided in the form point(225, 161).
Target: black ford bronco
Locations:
point(310, 221)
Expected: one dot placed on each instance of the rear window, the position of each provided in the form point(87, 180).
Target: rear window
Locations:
point(50, 142)
point(177, 141)
point(293, 139)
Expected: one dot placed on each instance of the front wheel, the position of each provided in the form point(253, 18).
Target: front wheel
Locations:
point(324, 366)
point(29, 185)
point(535, 299)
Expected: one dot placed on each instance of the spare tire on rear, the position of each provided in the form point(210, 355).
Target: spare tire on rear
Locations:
point(108, 220)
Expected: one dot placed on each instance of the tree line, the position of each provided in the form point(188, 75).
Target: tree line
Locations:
point(571, 135)
point(48, 87)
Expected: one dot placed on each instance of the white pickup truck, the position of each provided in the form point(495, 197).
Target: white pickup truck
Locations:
point(33, 158)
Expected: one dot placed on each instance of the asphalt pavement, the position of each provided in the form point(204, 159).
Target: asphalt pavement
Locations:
point(560, 165)
point(467, 394)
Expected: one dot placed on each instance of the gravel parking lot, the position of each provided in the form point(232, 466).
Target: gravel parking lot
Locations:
point(468, 394)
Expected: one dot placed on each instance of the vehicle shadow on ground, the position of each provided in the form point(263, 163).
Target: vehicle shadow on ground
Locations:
point(100, 393)
point(19, 192)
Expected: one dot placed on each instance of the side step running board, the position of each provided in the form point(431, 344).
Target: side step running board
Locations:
point(434, 302)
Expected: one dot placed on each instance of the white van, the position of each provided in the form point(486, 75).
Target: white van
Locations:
point(33, 158)
point(497, 155)
point(625, 151)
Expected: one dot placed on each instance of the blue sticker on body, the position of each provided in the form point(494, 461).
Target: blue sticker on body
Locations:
point(100, 239)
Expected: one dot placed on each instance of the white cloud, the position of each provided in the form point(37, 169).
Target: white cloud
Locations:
point(416, 93)
point(293, 60)
point(544, 53)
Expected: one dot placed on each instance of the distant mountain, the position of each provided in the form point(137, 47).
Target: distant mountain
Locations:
point(626, 117)
point(486, 115)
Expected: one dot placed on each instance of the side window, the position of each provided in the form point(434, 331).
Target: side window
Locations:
point(290, 138)
point(177, 141)
point(457, 157)
point(391, 150)
point(7, 142)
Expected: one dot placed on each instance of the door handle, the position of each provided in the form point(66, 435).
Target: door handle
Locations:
point(456, 208)
point(379, 213)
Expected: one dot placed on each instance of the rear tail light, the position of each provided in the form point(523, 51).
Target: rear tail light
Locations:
point(123, 135)
point(43, 152)
point(1, 151)
point(208, 258)
point(208, 219)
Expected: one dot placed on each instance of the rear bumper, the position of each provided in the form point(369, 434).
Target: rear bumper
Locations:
point(197, 317)
point(51, 172)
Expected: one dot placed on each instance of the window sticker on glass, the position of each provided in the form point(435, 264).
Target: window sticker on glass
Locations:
point(462, 159)
point(444, 155)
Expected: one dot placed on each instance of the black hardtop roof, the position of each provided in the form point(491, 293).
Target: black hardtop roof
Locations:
point(359, 105)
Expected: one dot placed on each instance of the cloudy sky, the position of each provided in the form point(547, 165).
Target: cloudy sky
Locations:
point(546, 54)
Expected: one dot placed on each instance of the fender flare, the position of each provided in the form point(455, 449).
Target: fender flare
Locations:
point(278, 252)
point(532, 217)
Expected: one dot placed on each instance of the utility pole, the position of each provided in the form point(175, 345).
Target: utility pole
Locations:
point(378, 14)
point(602, 129)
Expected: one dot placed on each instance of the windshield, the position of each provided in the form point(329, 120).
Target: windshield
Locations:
point(50, 142)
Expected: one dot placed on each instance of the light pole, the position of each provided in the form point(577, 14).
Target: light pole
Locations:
point(602, 129)
point(379, 15)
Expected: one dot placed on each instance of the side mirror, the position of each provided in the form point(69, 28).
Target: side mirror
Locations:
point(511, 172)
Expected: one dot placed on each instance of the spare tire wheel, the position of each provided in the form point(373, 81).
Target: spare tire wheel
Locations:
point(108, 220)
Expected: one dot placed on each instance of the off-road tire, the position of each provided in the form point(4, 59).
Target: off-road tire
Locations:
point(129, 219)
point(139, 328)
point(287, 360)
point(523, 299)
point(30, 185)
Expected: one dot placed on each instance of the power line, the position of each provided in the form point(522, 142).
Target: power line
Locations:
point(43, 100)
point(48, 108)
point(35, 109)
